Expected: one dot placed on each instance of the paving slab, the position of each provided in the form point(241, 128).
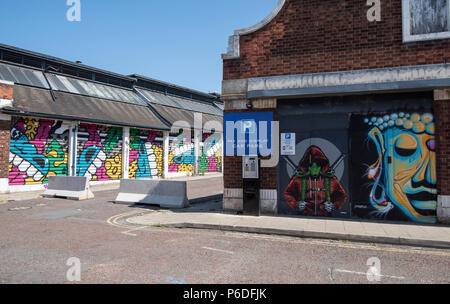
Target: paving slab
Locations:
point(360, 231)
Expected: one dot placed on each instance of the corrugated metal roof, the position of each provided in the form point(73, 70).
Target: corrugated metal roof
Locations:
point(70, 106)
point(221, 106)
point(82, 87)
point(21, 75)
point(202, 107)
point(157, 98)
point(180, 103)
point(173, 115)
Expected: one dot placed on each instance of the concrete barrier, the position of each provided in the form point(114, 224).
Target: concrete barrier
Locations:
point(164, 193)
point(70, 187)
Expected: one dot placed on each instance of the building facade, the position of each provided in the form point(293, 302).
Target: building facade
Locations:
point(363, 91)
point(60, 118)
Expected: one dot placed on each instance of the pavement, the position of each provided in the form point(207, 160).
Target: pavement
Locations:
point(435, 236)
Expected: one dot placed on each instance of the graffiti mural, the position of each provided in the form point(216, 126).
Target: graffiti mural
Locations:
point(211, 154)
point(146, 154)
point(398, 177)
point(38, 150)
point(99, 152)
point(181, 156)
point(314, 190)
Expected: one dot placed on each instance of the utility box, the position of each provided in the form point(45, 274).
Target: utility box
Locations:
point(251, 185)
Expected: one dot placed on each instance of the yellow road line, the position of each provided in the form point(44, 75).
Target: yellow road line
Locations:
point(113, 219)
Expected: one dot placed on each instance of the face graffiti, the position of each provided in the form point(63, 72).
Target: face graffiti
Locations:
point(38, 149)
point(99, 152)
point(146, 154)
point(404, 175)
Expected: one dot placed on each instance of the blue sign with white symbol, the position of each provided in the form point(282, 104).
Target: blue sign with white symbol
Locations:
point(248, 134)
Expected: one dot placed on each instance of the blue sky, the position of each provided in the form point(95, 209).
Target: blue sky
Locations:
point(178, 41)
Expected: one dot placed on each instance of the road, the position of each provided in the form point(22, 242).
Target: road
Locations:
point(39, 236)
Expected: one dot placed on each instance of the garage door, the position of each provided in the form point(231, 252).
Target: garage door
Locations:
point(210, 159)
point(99, 154)
point(314, 181)
point(38, 149)
point(146, 154)
point(181, 155)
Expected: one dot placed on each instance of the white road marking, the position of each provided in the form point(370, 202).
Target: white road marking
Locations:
point(132, 230)
point(19, 208)
point(365, 274)
point(218, 250)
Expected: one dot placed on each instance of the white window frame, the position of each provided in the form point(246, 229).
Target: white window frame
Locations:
point(406, 16)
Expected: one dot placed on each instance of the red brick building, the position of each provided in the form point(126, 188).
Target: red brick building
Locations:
point(364, 88)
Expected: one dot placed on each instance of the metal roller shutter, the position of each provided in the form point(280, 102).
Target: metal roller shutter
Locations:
point(210, 158)
point(181, 155)
point(38, 149)
point(99, 154)
point(146, 154)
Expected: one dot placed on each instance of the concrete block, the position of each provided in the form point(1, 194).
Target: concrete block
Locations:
point(444, 201)
point(233, 204)
point(70, 187)
point(235, 86)
point(268, 201)
point(443, 211)
point(164, 193)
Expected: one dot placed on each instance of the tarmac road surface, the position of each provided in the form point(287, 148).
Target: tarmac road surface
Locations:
point(39, 236)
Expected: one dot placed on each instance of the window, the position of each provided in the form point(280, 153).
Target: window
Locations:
point(426, 20)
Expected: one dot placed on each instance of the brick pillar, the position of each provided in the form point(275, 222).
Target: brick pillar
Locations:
point(442, 118)
point(6, 97)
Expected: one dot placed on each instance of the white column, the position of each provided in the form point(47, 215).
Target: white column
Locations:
point(73, 139)
point(166, 153)
point(125, 152)
point(197, 140)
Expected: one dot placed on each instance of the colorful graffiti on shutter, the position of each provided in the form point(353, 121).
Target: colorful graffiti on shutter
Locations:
point(99, 152)
point(211, 154)
point(400, 174)
point(315, 190)
point(38, 149)
point(146, 154)
point(181, 156)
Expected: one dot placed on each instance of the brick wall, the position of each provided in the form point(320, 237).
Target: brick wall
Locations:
point(6, 92)
point(312, 36)
point(5, 126)
point(442, 113)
